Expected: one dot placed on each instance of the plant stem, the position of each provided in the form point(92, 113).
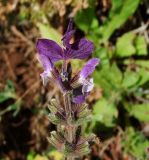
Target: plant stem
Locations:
point(69, 127)
point(67, 101)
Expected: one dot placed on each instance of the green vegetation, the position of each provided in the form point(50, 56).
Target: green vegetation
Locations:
point(118, 30)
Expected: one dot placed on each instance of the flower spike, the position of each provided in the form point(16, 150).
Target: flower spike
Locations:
point(68, 115)
point(85, 82)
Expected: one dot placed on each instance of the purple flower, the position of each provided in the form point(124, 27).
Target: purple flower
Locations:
point(81, 49)
point(88, 68)
point(85, 81)
point(50, 49)
point(50, 52)
point(71, 114)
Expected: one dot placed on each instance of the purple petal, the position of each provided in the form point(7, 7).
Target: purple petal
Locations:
point(48, 67)
point(70, 25)
point(46, 62)
point(50, 49)
point(45, 77)
point(68, 35)
point(88, 68)
point(80, 49)
point(79, 99)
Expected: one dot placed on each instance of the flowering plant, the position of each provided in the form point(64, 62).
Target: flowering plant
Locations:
point(70, 116)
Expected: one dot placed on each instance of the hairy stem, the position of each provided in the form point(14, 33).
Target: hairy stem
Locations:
point(69, 127)
point(67, 100)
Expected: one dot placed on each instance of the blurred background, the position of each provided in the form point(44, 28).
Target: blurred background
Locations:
point(119, 30)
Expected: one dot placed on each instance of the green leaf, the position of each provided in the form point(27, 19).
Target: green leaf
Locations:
point(142, 70)
point(139, 111)
point(102, 53)
point(49, 32)
point(101, 80)
point(105, 112)
point(109, 78)
point(115, 74)
point(85, 19)
point(141, 46)
point(114, 22)
point(124, 45)
point(144, 76)
point(116, 6)
point(5, 95)
point(130, 79)
point(143, 63)
point(135, 143)
point(140, 63)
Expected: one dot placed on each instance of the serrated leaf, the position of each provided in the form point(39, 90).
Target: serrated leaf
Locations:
point(116, 6)
point(116, 74)
point(119, 18)
point(109, 82)
point(105, 112)
point(140, 63)
point(141, 45)
point(130, 79)
point(85, 19)
point(101, 80)
point(124, 45)
point(143, 63)
point(144, 76)
point(139, 111)
point(135, 143)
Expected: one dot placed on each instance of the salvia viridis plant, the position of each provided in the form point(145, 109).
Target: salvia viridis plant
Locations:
point(73, 112)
